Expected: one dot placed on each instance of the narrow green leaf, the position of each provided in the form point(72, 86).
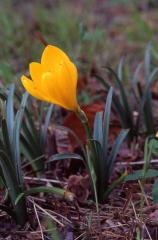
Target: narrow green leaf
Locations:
point(33, 161)
point(123, 97)
point(120, 69)
point(155, 191)
point(41, 114)
point(28, 146)
point(153, 145)
point(66, 155)
point(19, 197)
point(146, 105)
point(31, 137)
point(29, 110)
point(147, 61)
point(98, 127)
point(106, 123)
point(9, 176)
point(16, 137)
point(93, 177)
point(139, 174)
point(6, 139)
point(59, 191)
point(115, 149)
point(117, 104)
point(136, 74)
point(10, 111)
point(47, 121)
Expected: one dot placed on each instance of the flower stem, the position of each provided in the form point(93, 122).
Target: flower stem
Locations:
point(83, 118)
point(91, 151)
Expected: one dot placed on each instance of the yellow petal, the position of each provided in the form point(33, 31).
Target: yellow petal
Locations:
point(61, 85)
point(35, 71)
point(32, 89)
point(54, 80)
point(52, 56)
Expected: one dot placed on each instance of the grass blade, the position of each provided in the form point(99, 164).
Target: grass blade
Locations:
point(66, 155)
point(59, 191)
point(147, 61)
point(16, 137)
point(139, 174)
point(116, 101)
point(136, 74)
point(123, 96)
point(45, 129)
point(98, 127)
point(10, 111)
point(115, 150)
point(120, 69)
point(155, 191)
point(106, 123)
point(146, 105)
point(6, 139)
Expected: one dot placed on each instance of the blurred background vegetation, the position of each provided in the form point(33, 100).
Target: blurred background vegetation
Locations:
point(92, 32)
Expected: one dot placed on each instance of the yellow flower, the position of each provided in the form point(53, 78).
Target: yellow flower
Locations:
point(54, 79)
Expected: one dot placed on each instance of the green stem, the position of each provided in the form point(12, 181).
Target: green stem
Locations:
point(84, 120)
point(92, 156)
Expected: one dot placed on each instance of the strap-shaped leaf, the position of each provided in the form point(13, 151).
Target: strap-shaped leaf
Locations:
point(117, 104)
point(10, 111)
point(30, 154)
point(30, 136)
point(32, 161)
point(146, 105)
point(123, 97)
point(98, 127)
point(139, 174)
point(136, 74)
point(29, 118)
point(6, 139)
point(47, 121)
point(147, 61)
point(106, 123)
point(59, 191)
point(120, 69)
point(115, 149)
point(155, 191)
point(16, 138)
point(9, 176)
point(93, 176)
point(66, 155)
point(26, 144)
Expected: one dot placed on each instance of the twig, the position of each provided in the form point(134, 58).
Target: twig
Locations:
point(59, 215)
point(43, 180)
point(135, 163)
point(147, 232)
point(82, 234)
point(47, 213)
point(34, 206)
point(134, 210)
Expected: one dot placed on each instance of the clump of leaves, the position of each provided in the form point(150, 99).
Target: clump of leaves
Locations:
point(98, 161)
point(34, 135)
point(142, 96)
point(11, 173)
point(150, 149)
